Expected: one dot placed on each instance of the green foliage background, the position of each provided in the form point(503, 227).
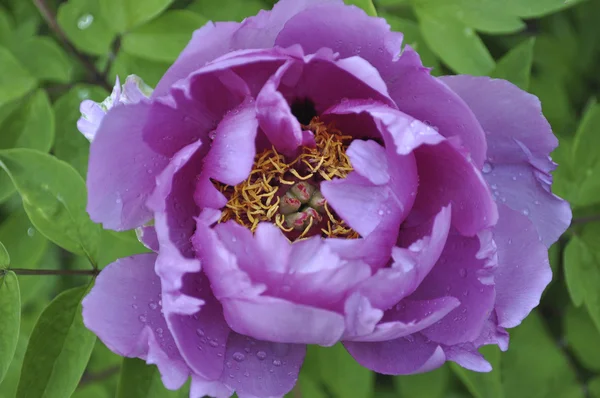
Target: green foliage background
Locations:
point(54, 54)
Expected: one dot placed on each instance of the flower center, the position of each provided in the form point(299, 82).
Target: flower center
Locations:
point(286, 192)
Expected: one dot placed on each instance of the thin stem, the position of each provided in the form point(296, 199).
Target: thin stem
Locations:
point(50, 19)
point(58, 272)
point(103, 375)
point(585, 220)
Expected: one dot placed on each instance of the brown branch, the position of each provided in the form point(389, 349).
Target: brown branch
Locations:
point(585, 220)
point(56, 272)
point(50, 19)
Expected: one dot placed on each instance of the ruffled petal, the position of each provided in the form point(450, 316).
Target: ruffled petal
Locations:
point(426, 98)
point(406, 355)
point(523, 269)
point(464, 271)
point(207, 43)
point(410, 265)
point(520, 141)
point(201, 337)
point(447, 176)
point(133, 325)
point(117, 198)
point(409, 317)
point(248, 310)
point(174, 209)
point(354, 33)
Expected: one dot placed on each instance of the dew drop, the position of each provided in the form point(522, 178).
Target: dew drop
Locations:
point(152, 305)
point(85, 21)
point(159, 331)
point(525, 212)
point(142, 318)
point(239, 357)
point(30, 232)
point(276, 362)
point(213, 343)
point(261, 355)
point(134, 306)
point(200, 332)
point(486, 168)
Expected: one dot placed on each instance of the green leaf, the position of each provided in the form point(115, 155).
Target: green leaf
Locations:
point(163, 38)
point(69, 144)
point(488, 16)
point(54, 197)
point(6, 27)
point(585, 161)
point(535, 367)
point(431, 384)
point(341, 374)
point(50, 62)
point(123, 15)
point(580, 332)
point(27, 247)
point(4, 257)
point(115, 245)
point(150, 71)
point(366, 5)
point(59, 349)
point(10, 313)
point(15, 81)
point(84, 26)
point(226, 10)
point(31, 125)
point(594, 387)
point(413, 38)
point(456, 43)
point(483, 385)
point(515, 66)
point(537, 8)
point(139, 380)
point(576, 254)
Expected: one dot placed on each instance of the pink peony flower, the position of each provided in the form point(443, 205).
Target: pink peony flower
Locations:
point(311, 183)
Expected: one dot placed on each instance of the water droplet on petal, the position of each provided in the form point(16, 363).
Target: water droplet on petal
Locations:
point(214, 343)
point(30, 231)
point(134, 306)
point(261, 355)
point(487, 167)
point(525, 212)
point(159, 331)
point(276, 362)
point(152, 305)
point(239, 357)
point(200, 332)
point(142, 318)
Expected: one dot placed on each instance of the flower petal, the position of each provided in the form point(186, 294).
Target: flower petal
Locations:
point(463, 271)
point(409, 317)
point(257, 368)
point(174, 207)
point(200, 337)
point(520, 141)
point(447, 176)
point(123, 311)
point(248, 310)
point(405, 355)
point(411, 265)
point(523, 269)
point(116, 198)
